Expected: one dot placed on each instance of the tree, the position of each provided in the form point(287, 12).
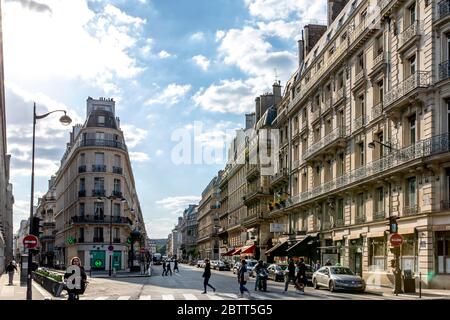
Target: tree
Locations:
point(161, 249)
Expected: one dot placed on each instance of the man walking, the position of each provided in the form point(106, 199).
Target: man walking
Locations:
point(206, 275)
point(164, 267)
point(175, 266)
point(258, 268)
point(11, 268)
point(300, 279)
point(168, 268)
point(290, 277)
point(243, 277)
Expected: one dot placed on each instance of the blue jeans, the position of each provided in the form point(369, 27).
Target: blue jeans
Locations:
point(257, 282)
point(242, 287)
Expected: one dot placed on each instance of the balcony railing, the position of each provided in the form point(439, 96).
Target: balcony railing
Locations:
point(117, 170)
point(252, 170)
point(97, 239)
point(444, 70)
point(359, 76)
point(326, 225)
point(443, 9)
point(419, 79)
point(360, 219)
point(98, 168)
point(359, 122)
point(82, 169)
point(101, 219)
point(98, 193)
point(315, 114)
point(410, 210)
point(378, 60)
point(377, 111)
point(427, 147)
point(328, 102)
point(102, 143)
point(359, 29)
point(379, 215)
point(117, 194)
point(334, 135)
point(116, 240)
point(339, 95)
point(339, 223)
point(295, 164)
point(415, 29)
point(279, 176)
point(82, 193)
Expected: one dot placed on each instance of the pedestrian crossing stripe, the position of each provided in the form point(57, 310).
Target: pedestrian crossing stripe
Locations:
point(189, 296)
point(101, 298)
point(145, 298)
point(215, 297)
point(168, 297)
point(124, 298)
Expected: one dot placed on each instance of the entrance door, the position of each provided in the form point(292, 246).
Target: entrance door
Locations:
point(358, 263)
point(98, 259)
point(117, 260)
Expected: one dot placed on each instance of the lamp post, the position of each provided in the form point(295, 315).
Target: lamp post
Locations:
point(65, 120)
point(371, 145)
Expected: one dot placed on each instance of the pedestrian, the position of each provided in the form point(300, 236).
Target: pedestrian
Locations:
point(328, 263)
point(168, 268)
point(11, 268)
point(290, 277)
point(175, 266)
point(164, 267)
point(317, 265)
point(258, 267)
point(300, 279)
point(206, 275)
point(73, 293)
point(243, 277)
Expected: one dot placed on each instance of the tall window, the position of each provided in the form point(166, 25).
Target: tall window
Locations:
point(98, 234)
point(360, 205)
point(380, 90)
point(412, 13)
point(116, 209)
point(81, 234)
point(100, 136)
point(341, 164)
point(101, 121)
point(412, 65)
point(82, 184)
point(377, 253)
point(99, 158)
point(117, 185)
point(99, 184)
point(411, 192)
point(81, 209)
point(82, 159)
point(443, 252)
point(379, 194)
point(361, 153)
point(98, 210)
point(116, 234)
point(379, 44)
point(360, 62)
point(381, 138)
point(340, 209)
point(412, 129)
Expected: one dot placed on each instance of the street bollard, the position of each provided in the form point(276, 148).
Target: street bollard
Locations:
point(420, 284)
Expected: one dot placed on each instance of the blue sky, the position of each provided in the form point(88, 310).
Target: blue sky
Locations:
point(168, 64)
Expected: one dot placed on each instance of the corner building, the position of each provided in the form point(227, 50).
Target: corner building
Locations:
point(364, 135)
point(96, 203)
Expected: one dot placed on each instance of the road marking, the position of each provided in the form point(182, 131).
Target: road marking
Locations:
point(124, 298)
point(215, 297)
point(145, 298)
point(101, 298)
point(258, 296)
point(230, 295)
point(168, 297)
point(189, 296)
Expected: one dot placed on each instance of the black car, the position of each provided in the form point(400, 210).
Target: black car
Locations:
point(277, 271)
point(227, 266)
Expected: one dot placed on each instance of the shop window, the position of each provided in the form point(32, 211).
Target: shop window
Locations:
point(443, 252)
point(377, 254)
point(408, 260)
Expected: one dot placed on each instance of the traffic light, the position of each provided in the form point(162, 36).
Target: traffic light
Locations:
point(393, 226)
point(36, 226)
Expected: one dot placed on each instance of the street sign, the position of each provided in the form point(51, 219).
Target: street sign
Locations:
point(396, 240)
point(30, 241)
point(111, 248)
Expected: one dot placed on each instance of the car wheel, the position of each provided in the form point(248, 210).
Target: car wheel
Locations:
point(315, 284)
point(331, 286)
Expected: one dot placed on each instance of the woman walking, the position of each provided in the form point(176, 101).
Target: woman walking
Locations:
point(75, 292)
point(243, 277)
point(206, 276)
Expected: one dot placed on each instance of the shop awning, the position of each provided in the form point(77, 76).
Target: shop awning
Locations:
point(279, 250)
point(229, 253)
point(302, 247)
point(236, 251)
point(248, 249)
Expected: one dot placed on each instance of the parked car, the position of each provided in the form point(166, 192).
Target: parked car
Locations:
point(338, 278)
point(200, 263)
point(277, 271)
point(227, 265)
point(218, 265)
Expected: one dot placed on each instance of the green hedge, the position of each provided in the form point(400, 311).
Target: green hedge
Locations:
point(51, 275)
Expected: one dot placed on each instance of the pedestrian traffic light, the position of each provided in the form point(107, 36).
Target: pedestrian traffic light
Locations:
point(36, 226)
point(393, 226)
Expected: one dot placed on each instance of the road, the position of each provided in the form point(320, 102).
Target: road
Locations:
point(188, 285)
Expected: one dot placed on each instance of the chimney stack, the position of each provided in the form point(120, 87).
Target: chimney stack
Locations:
point(301, 51)
point(257, 109)
point(313, 32)
point(334, 8)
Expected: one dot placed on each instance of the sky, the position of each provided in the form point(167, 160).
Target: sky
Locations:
point(176, 68)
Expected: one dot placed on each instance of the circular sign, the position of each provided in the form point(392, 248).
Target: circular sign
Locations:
point(30, 241)
point(110, 248)
point(396, 240)
point(98, 263)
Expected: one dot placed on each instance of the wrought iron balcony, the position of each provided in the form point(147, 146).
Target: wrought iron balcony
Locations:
point(360, 122)
point(252, 171)
point(82, 169)
point(329, 140)
point(379, 61)
point(117, 194)
point(379, 215)
point(443, 9)
point(255, 194)
point(327, 104)
point(339, 223)
point(98, 192)
point(102, 143)
point(377, 111)
point(101, 219)
point(360, 219)
point(419, 79)
point(326, 225)
point(444, 70)
point(98, 168)
point(117, 170)
point(116, 240)
point(295, 164)
point(279, 177)
point(82, 193)
point(411, 210)
point(424, 148)
point(97, 239)
point(359, 77)
point(414, 30)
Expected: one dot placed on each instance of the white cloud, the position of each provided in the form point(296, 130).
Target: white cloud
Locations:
point(159, 152)
point(164, 54)
point(201, 61)
point(283, 9)
point(217, 136)
point(171, 95)
point(219, 35)
point(198, 36)
point(147, 48)
point(176, 205)
point(133, 135)
point(138, 156)
point(73, 42)
point(282, 29)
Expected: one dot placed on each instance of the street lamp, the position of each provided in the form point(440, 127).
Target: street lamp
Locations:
point(65, 120)
point(371, 145)
point(112, 198)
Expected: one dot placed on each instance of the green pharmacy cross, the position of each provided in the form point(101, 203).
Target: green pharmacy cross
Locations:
point(98, 263)
point(70, 240)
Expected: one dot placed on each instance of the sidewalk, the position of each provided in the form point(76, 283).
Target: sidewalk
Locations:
point(426, 293)
point(18, 292)
point(105, 274)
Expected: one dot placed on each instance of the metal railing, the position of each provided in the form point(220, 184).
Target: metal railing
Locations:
point(295, 164)
point(81, 169)
point(411, 210)
point(415, 29)
point(377, 111)
point(97, 239)
point(443, 9)
point(327, 104)
point(117, 170)
point(379, 215)
point(427, 147)
point(339, 95)
point(339, 223)
point(98, 192)
point(326, 225)
point(101, 219)
point(378, 60)
point(98, 168)
point(281, 174)
point(82, 193)
point(359, 122)
point(102, 143)
point(419, 79)
point(117, 193)
point(360, 219)
point(337, 133)
point(359, 76)
point(444, 70)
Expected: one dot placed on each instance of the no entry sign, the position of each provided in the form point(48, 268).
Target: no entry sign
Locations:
point(30, 241)
point(396, 240)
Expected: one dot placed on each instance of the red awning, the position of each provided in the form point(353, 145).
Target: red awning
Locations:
point(248, 249)
point(237, 251)
point(229, 253)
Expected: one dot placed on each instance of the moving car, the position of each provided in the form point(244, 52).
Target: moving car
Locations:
point(277, 271)
point(218, 265)
point(227, 265)
point(200, 263)
point(338, 278)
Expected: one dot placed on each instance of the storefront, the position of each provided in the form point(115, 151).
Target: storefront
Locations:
point(356, 255)
point(442, 240)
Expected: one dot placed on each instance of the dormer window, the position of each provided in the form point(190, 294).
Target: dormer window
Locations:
point(101, 120)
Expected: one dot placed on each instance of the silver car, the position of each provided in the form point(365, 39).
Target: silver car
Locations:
point(338, 278)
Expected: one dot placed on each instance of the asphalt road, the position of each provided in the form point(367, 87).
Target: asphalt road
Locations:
point(188, 285)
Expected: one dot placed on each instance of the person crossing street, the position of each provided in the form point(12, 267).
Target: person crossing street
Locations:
point(206, 276)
